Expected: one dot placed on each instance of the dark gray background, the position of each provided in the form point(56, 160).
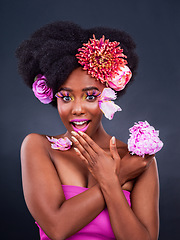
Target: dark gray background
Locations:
point(153, 96)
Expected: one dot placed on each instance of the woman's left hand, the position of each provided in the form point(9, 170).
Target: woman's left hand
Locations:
point(101, 165)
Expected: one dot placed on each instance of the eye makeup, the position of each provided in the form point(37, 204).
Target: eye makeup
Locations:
point(91, 95)
point(65, 96)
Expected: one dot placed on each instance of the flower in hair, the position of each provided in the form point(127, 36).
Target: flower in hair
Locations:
point(41, 90)
point(144, 139)
point(105, 61)
point(119, 82)
point(106, 105)
point(62, 144)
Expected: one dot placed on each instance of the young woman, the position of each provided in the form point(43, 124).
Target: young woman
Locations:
point(84, 183)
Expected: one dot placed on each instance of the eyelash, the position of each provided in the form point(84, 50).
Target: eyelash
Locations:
point(91, 95)
point(63, 97)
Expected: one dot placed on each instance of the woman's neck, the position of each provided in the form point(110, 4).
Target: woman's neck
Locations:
point(101, 137)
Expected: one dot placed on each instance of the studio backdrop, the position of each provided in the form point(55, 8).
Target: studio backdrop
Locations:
point(153, 95)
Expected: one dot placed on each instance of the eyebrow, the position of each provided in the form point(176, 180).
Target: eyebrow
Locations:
point(65, 89)
point(84, 89)
point(90, 88)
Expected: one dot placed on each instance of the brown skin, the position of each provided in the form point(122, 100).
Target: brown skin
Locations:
point(45, 169)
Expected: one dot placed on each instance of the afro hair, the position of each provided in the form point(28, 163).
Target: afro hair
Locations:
point(51, 51)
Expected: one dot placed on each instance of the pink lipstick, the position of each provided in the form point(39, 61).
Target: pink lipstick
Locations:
point(80, 124)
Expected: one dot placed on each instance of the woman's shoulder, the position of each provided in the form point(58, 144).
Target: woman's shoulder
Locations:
point(36, 150)
point(33, 139)
point(34, 144)
point(37, 139)
point(122, 147)
point(121, 144)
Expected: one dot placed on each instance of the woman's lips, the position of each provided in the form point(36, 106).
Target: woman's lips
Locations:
point(80, 124)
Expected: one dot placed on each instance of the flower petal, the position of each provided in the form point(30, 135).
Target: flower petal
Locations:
point(107, 94)
point(109, 108)
point(62, 144)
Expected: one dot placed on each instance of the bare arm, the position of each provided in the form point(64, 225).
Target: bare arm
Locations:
point(140, 222)
point(45, 198)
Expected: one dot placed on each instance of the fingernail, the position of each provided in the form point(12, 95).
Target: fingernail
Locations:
point(74, 133)
point(76, 150)
point(113, 140)
point(81, 133)
point(74, 139)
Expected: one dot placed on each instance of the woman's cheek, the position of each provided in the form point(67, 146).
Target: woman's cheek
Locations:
point(64, 108)
point(93, 106)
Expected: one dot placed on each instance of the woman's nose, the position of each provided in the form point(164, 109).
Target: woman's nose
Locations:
point(78, 108)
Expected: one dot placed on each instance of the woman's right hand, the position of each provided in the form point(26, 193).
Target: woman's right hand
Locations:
point(132, 166)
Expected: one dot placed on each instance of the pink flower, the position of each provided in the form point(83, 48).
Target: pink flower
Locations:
point(106, 105)
point(105, 61)
point(62, 144)
point(144, 139)
point(41, 90)
point(119, 82)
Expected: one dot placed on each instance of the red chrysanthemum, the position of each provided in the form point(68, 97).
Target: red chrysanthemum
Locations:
point(101, 58)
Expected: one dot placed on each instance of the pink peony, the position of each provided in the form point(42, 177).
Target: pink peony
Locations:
point(144, 139)
point(119, 82)
point(106, 105)
point(62, 144)
point(41, 90)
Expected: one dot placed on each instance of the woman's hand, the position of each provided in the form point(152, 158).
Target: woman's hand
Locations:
point(132, 166)
point(143, 222)
point(101, 165)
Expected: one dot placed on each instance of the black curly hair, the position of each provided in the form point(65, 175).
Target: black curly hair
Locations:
point(51, 51)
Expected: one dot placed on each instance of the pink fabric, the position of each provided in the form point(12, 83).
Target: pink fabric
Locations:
point(99, 228)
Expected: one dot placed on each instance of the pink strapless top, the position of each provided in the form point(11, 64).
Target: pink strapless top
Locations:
point(98, 229)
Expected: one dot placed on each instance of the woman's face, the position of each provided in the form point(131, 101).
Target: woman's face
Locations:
point(78, 104)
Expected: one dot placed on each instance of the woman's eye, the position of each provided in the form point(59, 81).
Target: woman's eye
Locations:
point(66, 98)
point(91, 97)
